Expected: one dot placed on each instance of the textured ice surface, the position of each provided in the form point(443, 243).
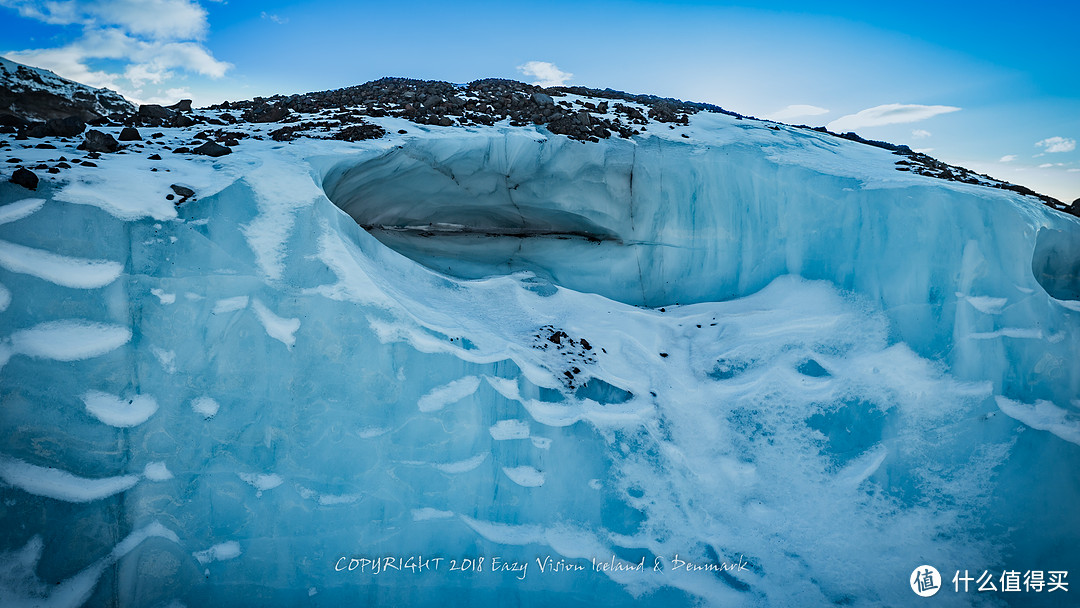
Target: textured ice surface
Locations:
point(755, 344)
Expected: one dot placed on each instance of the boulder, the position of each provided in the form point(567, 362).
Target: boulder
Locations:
point(130, 134)
point(542, 99)
point(25, 178)
point(96, 141)
point(184, 105)
point(69, 126)
point(182, 191)
point(212, 149)
point(155, 112)
point(10, 120)
point(271, 114)
point(35, 129)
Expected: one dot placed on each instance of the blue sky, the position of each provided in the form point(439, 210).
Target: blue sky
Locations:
point(987, 85)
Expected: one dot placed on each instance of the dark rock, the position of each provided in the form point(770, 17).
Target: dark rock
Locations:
point(45, 147)
point(182, 191)
point(183, 121)
point(184, 105)
point(25, 178)
point(154, 157)
point(211, 149)
point(35, 129)
point(10, 120)
point(130, 134)
point(96, 141)
point(156, 135)
point(54, 169)
point(272, 114)
point(155, 112)
point(360, 132)
point(87, 163)
point(65, 127)
point(542, 99)
point(182, 150)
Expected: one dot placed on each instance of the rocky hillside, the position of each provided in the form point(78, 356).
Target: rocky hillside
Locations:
point(34, 94)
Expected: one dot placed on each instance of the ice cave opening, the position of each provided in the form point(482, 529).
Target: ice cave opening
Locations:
point(495, 206)
point(1056, 263)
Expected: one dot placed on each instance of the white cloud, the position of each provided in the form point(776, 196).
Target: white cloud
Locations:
point(1008, 158)
point(888, 114)
point(1048, 165)
point(547, 74)
point(923, 150)
point(151, 42)
point(1057, 144)
point(275, 18)
point(920, 134)
point(173, 19)
point(796, 111)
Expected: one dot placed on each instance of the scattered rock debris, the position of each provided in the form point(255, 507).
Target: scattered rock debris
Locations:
point(575, 353)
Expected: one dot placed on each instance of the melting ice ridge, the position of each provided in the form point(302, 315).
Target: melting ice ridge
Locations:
point(786, 354)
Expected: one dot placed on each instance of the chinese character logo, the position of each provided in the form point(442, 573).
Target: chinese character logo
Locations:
point(925, 581)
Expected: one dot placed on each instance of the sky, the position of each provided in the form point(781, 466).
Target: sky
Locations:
point(988, 85)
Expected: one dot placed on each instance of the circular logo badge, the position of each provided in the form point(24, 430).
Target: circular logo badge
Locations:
point(925, 581)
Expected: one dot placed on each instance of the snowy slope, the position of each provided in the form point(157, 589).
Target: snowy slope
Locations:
point(754, 346)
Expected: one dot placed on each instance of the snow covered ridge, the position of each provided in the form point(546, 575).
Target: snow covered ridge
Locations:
point(594, 115)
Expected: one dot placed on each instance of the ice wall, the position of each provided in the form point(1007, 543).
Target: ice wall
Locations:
point(657, 222)
point(864, 373)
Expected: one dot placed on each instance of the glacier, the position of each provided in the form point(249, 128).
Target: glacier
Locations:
point(517, 354)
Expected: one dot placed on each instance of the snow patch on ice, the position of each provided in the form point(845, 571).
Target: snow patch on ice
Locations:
point(449, 393)
point(166, 358)
point(427, 513)
point(66, 340)
point(62, 270)
point(525, 476)
point(462, 466)
point(280, 191)
point(117, 411)
point(1044, 416)
point(229, 305)
point(205, 406)
point(279, 328)
point(165, 298)
point(986, 304)
point(509, 429)
point(261, 482)
point(20, 209)
point(61, 485)
point(219, 552)
point(157, 471)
